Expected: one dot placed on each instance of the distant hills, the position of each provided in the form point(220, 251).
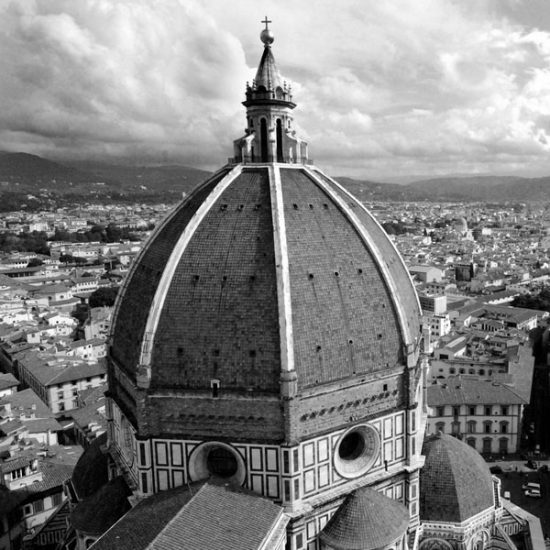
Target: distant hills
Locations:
point(43, 180)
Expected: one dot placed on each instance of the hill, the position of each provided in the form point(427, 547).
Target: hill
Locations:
point(39, 182)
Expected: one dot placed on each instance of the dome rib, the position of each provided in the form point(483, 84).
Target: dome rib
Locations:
point(408, 313)
point(282, 270)
point(137, 293)
point(173, 261)
point(371, 245)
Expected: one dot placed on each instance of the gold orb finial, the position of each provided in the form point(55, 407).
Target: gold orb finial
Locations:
point(266, 36)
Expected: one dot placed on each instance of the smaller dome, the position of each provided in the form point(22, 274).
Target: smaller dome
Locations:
point(455, 482)
point(460, 224)
point(367, 520)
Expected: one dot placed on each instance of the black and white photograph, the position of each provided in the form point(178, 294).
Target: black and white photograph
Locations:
point(274, 275)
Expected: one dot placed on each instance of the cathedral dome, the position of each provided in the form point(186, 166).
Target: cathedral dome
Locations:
point(455, 482)
point(269, 280)
point(264, 270)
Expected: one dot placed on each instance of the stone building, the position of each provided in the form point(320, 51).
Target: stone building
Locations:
point(266, 371)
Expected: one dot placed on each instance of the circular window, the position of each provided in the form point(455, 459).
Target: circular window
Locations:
point(221, 462)
point(216, 459)
point(356, 451)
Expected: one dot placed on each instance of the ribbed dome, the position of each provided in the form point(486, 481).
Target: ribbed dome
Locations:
point(260, 271)
point(367, 520)
point(455, 482)
point(268, 285)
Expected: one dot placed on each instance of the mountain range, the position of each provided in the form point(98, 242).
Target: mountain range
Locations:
point(23, 173)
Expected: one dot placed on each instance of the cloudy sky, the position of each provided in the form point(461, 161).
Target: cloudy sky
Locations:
point(385, 89)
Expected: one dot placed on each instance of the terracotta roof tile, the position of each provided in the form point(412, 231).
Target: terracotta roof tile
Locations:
point(366, 520)
point(455, 482)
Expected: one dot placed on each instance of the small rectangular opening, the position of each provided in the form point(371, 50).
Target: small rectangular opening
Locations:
point(215, 387)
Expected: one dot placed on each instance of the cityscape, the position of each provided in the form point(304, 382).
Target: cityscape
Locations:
point(257, 355)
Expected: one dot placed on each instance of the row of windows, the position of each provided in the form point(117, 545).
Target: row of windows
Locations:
point(472, 427)
point(472, 410)
point(461, 370)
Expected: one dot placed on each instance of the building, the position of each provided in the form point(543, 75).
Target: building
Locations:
point(486, 414)
point(99, 323)
point(23, 415)
point(436, 304)
point(427, 273)
point(57, 380)
point(8, 384)
point(266, 362)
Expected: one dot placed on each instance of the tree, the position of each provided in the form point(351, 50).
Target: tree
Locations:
point(35, 262)
point(66, 259)
point(103, 297)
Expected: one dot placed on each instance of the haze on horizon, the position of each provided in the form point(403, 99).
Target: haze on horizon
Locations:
point(385, 90)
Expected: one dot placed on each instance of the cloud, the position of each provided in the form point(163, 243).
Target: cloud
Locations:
point(411, 86)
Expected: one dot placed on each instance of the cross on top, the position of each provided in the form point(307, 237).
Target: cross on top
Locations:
point(266, 21)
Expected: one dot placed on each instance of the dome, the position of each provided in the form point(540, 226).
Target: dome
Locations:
point(460, 224)
point(264, 270)
point(455, 482)
point(367, 520)
point(269, 282)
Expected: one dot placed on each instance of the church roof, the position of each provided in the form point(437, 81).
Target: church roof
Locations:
point(455, 482)
point(471, 390)
point(366, 520)
point(183, 518)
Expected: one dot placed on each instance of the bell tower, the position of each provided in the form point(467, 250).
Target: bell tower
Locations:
point(269, 134)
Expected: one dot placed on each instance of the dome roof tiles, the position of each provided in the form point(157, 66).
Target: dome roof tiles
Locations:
point(455, 482)
point(366, 520)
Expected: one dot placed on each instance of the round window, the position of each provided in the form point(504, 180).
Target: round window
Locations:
point(217, 459)
point(221, 462)
point(356, 451)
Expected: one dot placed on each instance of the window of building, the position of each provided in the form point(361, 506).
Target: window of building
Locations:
point(440, 427)
point(472, 426)
point(504, 427)
point(440, 411)
point(462, 371)
point(504, 410)
point(503, 445)
point(472, 410)
point(487, 427)
point(452, 370)
point(456, 411)
point(488, 411)
point(482, 372)
point(38, 506)
point(471, 441)
point(57, 499)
